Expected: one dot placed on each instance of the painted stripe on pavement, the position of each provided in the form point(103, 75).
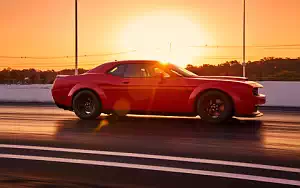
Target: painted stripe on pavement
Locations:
point(161, 157)
point(156, 168)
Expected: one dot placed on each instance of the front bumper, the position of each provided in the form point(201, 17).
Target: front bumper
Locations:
point(253, 115)
point(250, 108)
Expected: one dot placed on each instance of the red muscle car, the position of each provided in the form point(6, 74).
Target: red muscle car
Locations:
point(152, 87)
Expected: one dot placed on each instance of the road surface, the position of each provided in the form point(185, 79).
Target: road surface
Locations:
point(45, 146)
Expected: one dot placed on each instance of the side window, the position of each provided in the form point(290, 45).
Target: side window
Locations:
point(156, 71)
point(118, 70)
point(136, 71)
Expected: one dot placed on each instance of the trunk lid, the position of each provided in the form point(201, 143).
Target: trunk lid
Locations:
point(62, 81)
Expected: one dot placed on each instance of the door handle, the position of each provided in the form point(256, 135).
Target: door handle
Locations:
point(125, 82)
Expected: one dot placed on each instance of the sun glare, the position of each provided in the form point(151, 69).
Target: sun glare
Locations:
point(163, 36)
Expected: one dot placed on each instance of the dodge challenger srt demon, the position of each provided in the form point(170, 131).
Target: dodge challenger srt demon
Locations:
point(153, 87)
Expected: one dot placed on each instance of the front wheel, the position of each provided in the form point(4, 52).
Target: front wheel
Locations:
point(215, 106)
point(86, 105)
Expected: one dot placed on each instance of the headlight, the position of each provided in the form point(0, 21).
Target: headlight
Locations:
point(255, 91)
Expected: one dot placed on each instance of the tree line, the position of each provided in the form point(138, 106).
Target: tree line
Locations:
point(266, 69)
point(33, 76)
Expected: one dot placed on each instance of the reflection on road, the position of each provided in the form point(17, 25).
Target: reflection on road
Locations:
point(162, 127)
point(176, 132)
point(281, 138)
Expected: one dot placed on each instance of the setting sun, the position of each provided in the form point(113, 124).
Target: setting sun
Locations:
point(134, 29)
point(164, 36)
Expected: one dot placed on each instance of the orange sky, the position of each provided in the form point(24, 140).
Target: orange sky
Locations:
point(46, 28)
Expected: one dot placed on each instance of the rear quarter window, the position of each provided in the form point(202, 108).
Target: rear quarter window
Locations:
point(118, 70)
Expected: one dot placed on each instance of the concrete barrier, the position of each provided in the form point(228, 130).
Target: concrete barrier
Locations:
point(26, 93)
point(282, 94)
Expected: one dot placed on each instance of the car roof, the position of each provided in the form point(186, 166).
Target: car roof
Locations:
point(135, 61)
point(105, 66)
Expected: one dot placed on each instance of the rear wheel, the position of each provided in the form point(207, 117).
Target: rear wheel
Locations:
point(215, 106)
point(86, 105)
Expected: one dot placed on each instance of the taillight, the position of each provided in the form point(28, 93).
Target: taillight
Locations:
point(53, 84)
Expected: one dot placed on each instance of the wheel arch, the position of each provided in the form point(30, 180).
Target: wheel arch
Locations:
point(86, 89)
point(78, 88)
point(212, 89)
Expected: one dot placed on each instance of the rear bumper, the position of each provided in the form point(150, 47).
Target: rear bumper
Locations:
point(61, 99)
point(63, 107)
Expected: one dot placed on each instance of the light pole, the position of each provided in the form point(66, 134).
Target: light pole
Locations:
point(244, 40)
point(76, 39)
point(170, 52)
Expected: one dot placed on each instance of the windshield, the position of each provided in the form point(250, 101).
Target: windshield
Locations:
point(181, 71)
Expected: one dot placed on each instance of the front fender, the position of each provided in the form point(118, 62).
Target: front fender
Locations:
point(92, 87)
point(231, 91)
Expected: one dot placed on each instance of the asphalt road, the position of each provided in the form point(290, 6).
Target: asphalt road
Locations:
point(42, 146)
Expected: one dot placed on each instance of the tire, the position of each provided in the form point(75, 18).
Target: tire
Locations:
point(86, 105)
point(215, 107)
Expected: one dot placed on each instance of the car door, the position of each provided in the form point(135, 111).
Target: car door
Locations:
point(115, 90)
point(140, 86)
point(172, 92)
point(130, 88)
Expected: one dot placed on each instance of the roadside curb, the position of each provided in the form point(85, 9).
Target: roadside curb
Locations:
point(28, 103)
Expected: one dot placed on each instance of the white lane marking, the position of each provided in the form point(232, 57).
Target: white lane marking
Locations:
point(155, 168)
point(161, 157)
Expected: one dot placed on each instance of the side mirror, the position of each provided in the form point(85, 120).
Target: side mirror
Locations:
point(160, 75)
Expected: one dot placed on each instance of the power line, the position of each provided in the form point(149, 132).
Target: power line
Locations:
point(99, 61)
point(105, 59)
point(269, 47)
point(62, 64)
point(45, 66)
point(279, 48)
point(63, 57)
point(251, 46)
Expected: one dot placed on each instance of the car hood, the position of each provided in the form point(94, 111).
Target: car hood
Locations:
point(240, 80)
point(235, 78)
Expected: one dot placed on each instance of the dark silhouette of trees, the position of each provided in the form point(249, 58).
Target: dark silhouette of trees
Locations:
point(268, 68)
point(32, 76)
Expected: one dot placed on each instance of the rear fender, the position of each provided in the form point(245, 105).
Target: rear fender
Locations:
point(92, 87)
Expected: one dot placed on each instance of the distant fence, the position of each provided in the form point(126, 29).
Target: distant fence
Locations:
point(279, 93)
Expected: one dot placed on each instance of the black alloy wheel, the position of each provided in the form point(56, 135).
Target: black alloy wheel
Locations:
point(86, 105)
point(215, 106)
